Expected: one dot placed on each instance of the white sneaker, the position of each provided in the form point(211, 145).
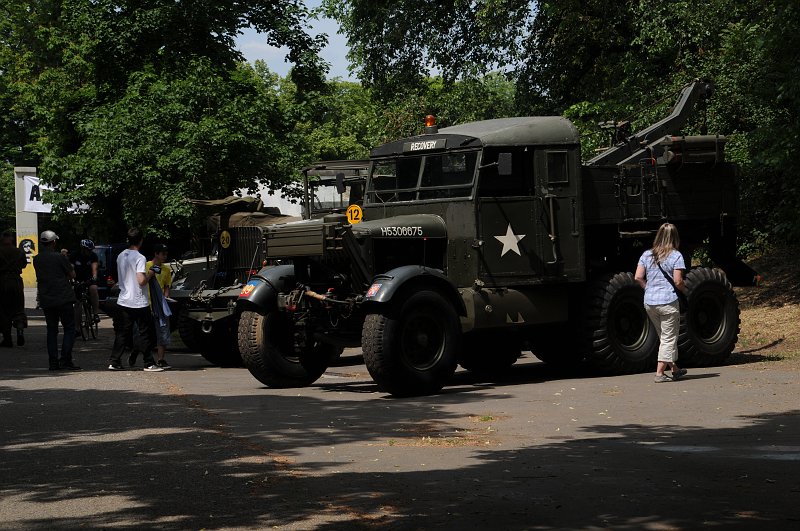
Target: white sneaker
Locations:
point(153, 368)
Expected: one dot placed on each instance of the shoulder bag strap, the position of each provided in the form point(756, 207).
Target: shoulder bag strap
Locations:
point(669, 279)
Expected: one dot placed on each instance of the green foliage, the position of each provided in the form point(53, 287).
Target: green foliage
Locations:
point(594, 60)
point(7, 208)
point(394, 44)
point(196, 133)
point(131, 107)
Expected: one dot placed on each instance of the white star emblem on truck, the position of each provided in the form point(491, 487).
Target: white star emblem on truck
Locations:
point(510, 241)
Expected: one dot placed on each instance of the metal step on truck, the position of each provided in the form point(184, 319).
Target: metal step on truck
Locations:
point(480, 240)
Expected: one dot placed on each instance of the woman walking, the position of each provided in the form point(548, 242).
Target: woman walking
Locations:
point(660, 273)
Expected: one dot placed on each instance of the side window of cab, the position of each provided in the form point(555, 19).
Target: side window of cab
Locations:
point(496, 183)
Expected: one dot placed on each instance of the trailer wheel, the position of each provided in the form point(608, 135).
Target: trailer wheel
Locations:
point(219, 347)
point(710, 324)
point(413, 350)
point(189, 330)
point(621, 338)
point(488, 354)
point(266, 343)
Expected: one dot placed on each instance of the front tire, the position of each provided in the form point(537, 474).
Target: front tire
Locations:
point(710, 325)
point(621, 338)
point(266, 343)
point(413, 350)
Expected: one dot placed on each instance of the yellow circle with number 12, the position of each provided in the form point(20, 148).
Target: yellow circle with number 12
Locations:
point(354, 214)
point(225, 239)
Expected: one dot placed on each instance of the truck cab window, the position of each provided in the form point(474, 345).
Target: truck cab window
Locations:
point(557, 170)
point(448, 175)
point(492, 184)
point(435, 176)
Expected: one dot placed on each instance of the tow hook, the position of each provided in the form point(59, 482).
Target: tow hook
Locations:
point(207, 324)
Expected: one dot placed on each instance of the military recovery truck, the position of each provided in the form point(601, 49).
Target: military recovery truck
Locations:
point(482, 239)
point(206, 298)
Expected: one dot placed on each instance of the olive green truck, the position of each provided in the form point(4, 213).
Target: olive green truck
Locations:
point(478, 241)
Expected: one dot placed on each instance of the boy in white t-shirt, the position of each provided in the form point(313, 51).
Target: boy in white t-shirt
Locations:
point(133, 304)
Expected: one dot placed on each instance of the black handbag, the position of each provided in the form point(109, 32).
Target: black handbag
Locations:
point(683, 301)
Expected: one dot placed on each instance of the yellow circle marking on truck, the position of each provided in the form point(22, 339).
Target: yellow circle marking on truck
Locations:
point(225, 239)
point(354, 214)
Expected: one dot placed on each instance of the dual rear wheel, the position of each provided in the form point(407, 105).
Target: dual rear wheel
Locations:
point(621, 339)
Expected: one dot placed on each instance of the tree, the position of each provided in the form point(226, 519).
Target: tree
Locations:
point(394, 45)
point(594, 61)
point(133, 106)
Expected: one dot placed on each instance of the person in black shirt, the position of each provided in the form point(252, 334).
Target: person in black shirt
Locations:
point(12, 293)
point(57, 298)
point(85, 262)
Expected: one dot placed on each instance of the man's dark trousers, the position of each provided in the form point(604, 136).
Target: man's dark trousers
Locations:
point(143, 318)
point(66, 314)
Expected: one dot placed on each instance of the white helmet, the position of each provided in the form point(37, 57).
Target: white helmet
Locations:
point(48, 236)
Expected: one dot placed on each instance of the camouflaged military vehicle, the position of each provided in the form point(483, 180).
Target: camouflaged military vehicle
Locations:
point(483, 239)
point(206, 297)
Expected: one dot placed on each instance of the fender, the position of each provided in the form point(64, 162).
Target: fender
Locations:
point(386, 285)
point(260, 294)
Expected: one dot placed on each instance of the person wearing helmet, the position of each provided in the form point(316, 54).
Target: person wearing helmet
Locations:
point(85, 262)
point(57, 298)
point(12, 294)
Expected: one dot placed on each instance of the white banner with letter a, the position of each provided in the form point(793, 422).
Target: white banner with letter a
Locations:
point(34, 190)
point(33, 196)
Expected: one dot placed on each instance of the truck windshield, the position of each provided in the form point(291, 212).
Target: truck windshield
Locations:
point(439, 176)
point(326, 198)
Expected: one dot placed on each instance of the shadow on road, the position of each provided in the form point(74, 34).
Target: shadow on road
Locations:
point(117, 459)
point(79, 453)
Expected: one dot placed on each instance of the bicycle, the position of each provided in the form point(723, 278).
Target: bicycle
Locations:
point(88, 325)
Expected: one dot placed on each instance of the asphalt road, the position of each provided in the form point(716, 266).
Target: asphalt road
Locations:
point(200, 447)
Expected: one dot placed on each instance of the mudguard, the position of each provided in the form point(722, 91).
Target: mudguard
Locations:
point(387, 285)
point(260, 294)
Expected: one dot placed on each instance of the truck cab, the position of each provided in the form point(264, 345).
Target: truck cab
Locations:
point(508, 191)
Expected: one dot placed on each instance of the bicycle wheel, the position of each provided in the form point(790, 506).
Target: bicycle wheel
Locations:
point(93, 325)
point(86, 320)
point(95, 328)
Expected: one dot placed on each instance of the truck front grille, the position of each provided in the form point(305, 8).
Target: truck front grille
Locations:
point(245, 250)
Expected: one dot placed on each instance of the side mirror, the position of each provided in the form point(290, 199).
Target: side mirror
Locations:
point(340, 188)
point(504, 164)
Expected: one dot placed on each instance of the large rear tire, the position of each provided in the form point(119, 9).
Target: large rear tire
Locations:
point(413, 350)
point(266, 343)
point(710, 324)
point(621, 338)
